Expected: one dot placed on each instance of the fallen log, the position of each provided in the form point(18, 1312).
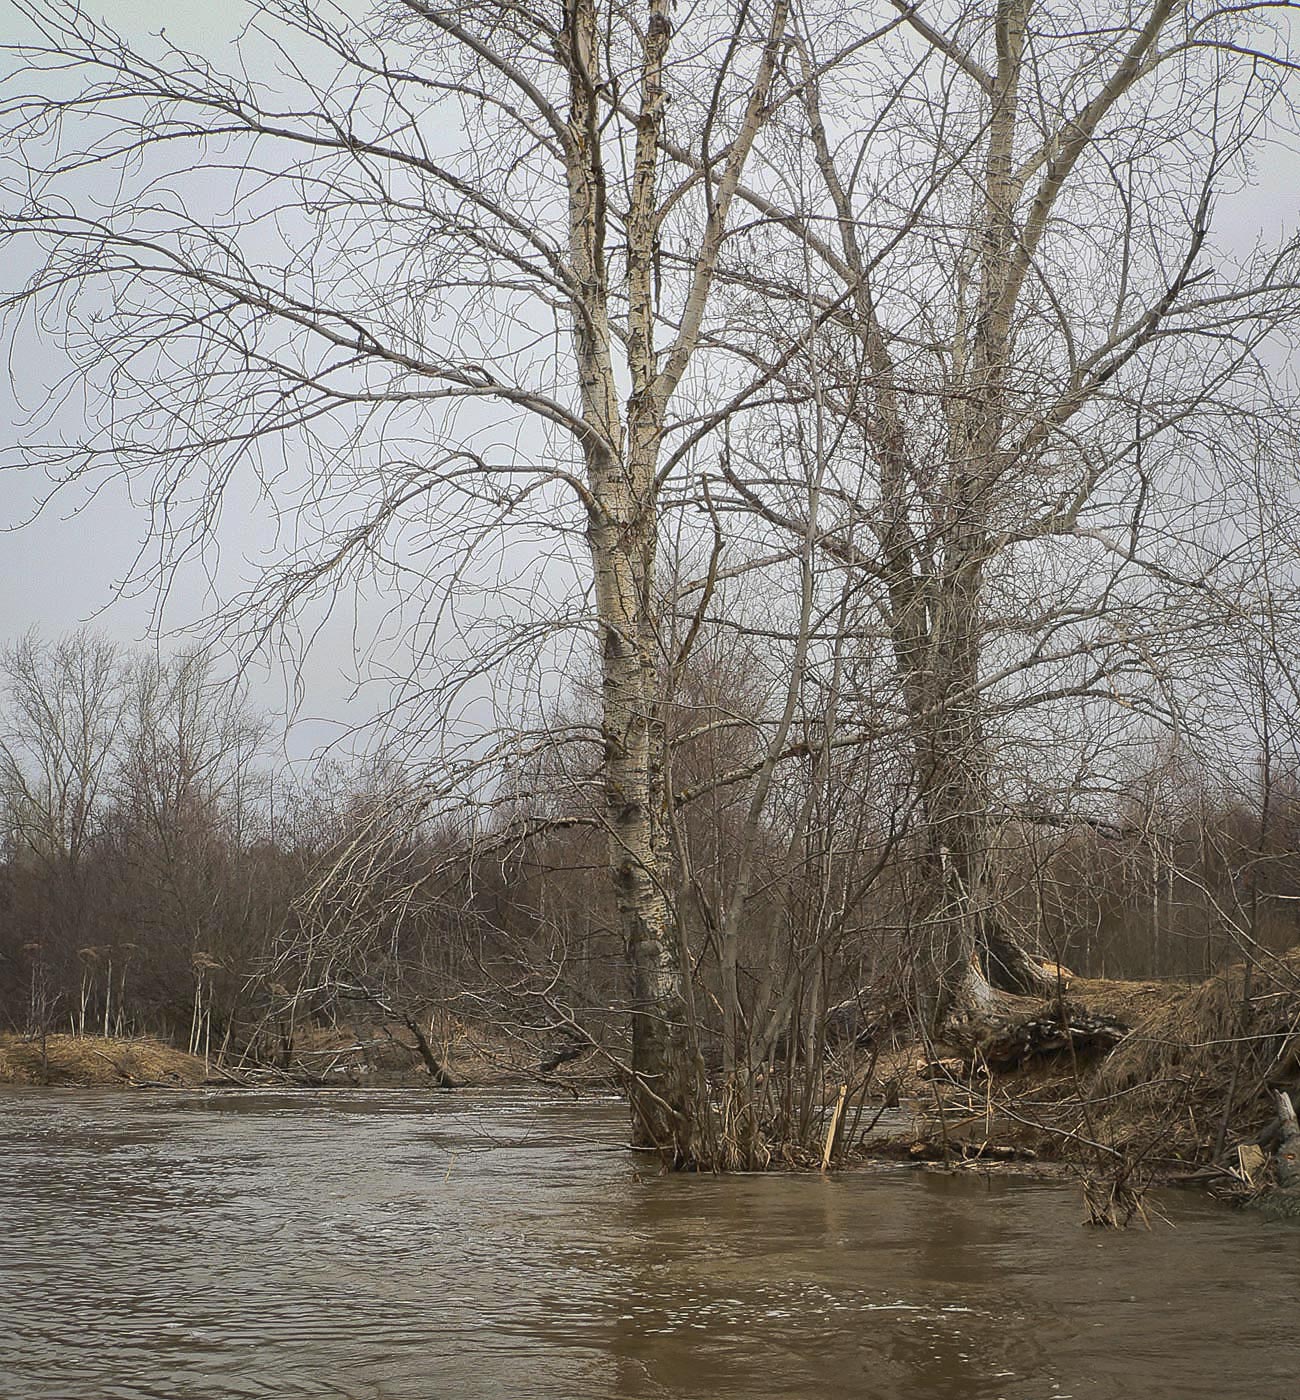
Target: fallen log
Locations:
point(553, 1059)
point(932, 1150)
point(1053, 1028)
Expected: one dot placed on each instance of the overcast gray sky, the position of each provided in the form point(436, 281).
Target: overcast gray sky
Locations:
point(65, 568)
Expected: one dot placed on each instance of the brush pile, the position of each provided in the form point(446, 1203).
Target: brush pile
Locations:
point(1127, 1082)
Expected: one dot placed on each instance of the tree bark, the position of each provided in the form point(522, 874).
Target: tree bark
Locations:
point(667, 1091)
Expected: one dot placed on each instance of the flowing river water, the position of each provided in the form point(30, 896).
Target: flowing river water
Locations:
point(400, 1246)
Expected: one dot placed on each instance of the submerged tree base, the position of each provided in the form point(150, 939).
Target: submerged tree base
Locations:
point(1117, 1084)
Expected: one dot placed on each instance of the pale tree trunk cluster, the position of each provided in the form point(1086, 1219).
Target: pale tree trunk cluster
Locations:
point(877, 348)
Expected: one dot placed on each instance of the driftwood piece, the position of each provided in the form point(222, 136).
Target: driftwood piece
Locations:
point(933, 1150)
point(833, 1132)
point(953, 1069)
point(1250, 1161)
point(1284, 1202)
point(1288, 1152)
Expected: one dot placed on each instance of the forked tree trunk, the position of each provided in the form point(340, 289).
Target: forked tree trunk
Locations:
point(667, 1092)
point(671, 1110)
point(936, 581)
point(933, 566)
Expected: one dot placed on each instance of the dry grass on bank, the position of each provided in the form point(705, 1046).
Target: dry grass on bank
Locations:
point(96, 1061)
point(370, 1054)
point(1134, 1003)
point(384, 1054)
point(1203, 1063)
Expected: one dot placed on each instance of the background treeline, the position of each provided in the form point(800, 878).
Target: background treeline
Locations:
point(163, 871)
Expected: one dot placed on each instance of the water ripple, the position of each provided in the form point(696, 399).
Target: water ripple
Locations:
point(391, 1246)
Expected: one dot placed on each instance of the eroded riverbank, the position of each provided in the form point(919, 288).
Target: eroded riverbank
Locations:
point(400, 1246)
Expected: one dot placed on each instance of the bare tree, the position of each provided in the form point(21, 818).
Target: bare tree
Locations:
point(189, 798)
point(902, 339)
point(63, 706)
point(60, 714)
point(1061, 388)
point(474, 225)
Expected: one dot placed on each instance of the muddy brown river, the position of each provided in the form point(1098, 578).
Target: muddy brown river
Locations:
point(397, 1246)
